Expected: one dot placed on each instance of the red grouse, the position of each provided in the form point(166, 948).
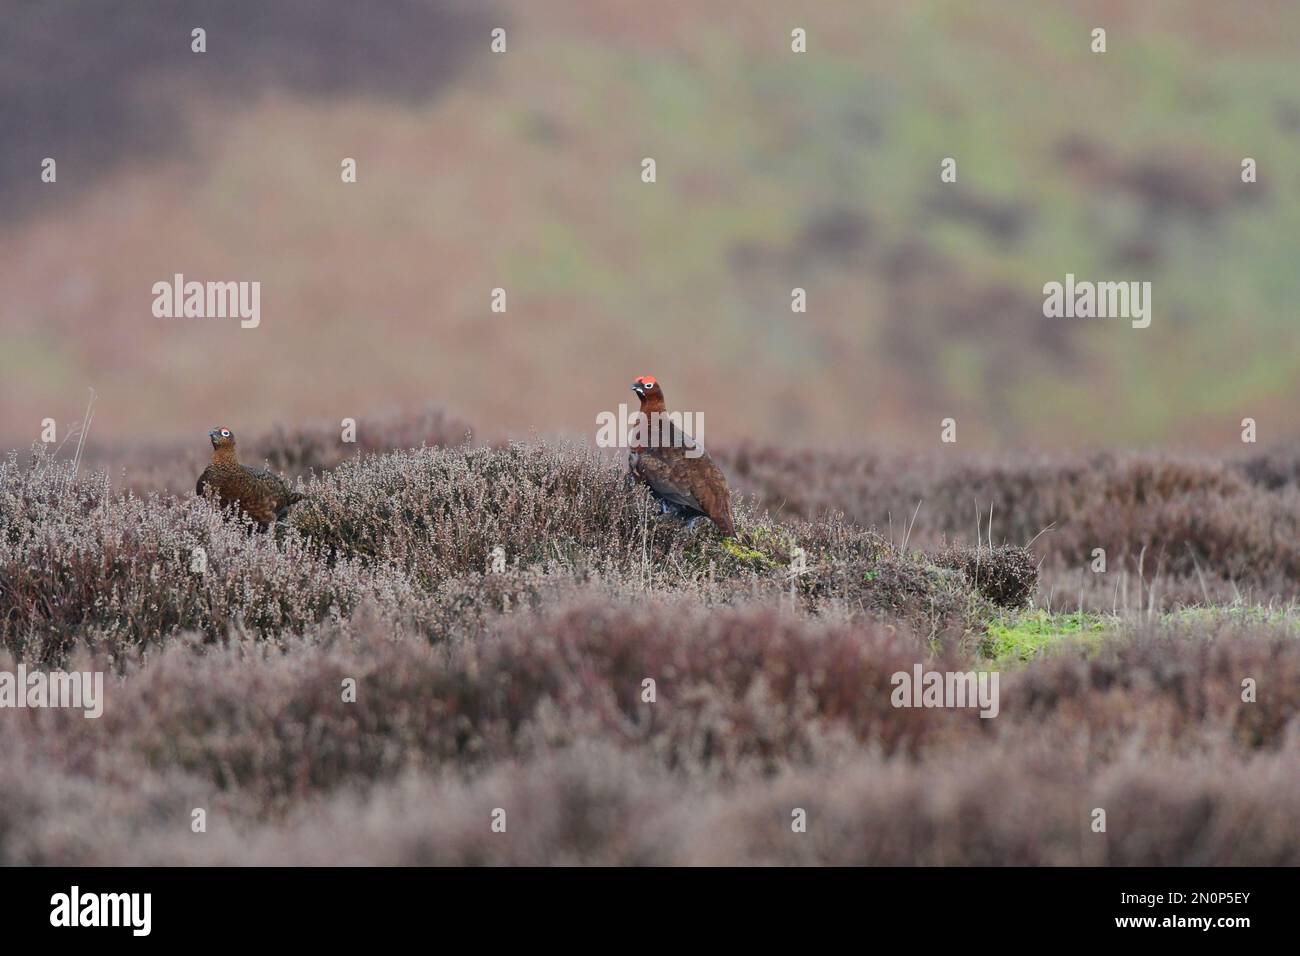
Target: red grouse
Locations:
point(681, 475)
point(262, 495)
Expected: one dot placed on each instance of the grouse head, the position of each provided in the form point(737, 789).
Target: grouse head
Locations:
point(222, 437)
point(652, 396)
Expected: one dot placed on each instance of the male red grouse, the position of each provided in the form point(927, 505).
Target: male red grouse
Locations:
point(681, 475)
point(262, 495)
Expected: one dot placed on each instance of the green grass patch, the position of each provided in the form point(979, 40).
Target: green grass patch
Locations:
point(1019, 638)
point(1013, 639)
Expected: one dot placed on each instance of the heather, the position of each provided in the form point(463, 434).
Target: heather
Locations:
point(1175, 529)
point(499, 610)
point(758, 711)
point(413, 534)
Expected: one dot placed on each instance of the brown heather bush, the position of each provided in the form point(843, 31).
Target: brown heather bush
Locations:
point(1006, 575)
point(595, 804)
point(80, 564)
point(173, 468)
point(758, 710)
point(437, 513)
point(412, 533)
point(751, 689)
point(521, 689)
point(1194, 530)
point(321, 448)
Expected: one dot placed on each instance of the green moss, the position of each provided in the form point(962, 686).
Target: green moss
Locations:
point(1018, 638)
point(744, 553)
point(741, 553)
point(1012, 639)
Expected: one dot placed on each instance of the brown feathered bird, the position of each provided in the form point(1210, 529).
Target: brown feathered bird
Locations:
point(260, 494)
point(681, 475)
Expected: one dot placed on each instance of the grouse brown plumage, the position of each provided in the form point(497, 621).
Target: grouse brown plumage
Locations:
point(679, 472)
point(260, 494)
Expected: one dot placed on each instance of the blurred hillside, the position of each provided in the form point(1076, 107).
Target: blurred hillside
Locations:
point(775, 170)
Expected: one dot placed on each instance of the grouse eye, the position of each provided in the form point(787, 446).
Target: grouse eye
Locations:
point(225, 433)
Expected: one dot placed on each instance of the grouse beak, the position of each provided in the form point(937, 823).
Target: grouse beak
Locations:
point(639, 389)
point(212, 436)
